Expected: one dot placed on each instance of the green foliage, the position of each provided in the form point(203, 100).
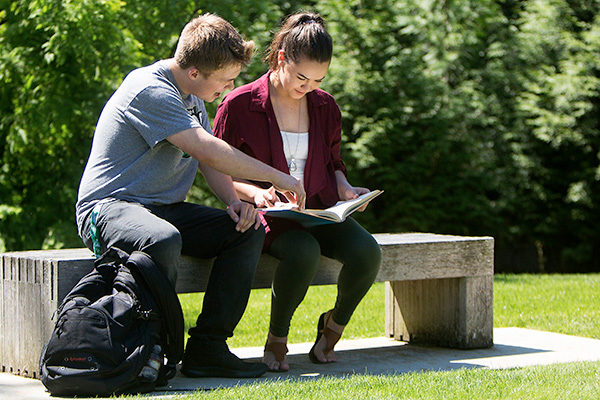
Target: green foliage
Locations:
point(561, 142)
point(420, 125)
point(58, 64)
point(476, 117)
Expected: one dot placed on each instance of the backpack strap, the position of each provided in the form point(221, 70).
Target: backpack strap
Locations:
point(112, 257)
point(165, 296)
point(98, 282)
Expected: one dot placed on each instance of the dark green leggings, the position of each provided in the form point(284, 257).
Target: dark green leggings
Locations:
point(299, 252)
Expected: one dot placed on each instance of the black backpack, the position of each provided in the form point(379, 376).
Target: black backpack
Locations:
point(109, 327)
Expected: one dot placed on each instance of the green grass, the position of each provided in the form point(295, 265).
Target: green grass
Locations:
point(568, 304)
point(567, 381)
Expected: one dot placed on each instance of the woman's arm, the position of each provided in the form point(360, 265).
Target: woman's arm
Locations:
point(348, 192)
point(243, 214)
point(256, 195)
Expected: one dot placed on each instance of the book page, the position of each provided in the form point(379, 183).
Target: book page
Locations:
point(313, 217)
point(344, 208)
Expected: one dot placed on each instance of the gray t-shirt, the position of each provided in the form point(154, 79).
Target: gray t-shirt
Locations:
point(130, 157)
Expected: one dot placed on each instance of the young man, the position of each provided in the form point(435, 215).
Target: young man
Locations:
point(152, 135)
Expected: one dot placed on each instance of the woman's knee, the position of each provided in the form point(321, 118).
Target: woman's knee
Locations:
point(365, 257)
point(298, 248)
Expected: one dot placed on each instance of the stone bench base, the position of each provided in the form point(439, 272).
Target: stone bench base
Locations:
point(438, 291)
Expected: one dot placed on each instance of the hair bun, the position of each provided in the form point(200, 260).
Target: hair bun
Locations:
point(310, 18)
point(299, 38)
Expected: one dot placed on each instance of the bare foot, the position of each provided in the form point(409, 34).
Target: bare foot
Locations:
point(275, 357)
point(321, 345)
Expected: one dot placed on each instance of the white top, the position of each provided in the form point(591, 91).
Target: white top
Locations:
point(295, 148)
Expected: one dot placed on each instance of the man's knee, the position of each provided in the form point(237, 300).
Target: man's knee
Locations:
point(256, 236)
point(165, 250)
point(248, 243)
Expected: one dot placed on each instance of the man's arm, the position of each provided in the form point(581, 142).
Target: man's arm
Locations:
point(242, 213)
point(221, 156)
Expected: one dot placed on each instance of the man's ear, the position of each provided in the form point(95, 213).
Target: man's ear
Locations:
point(193, 73)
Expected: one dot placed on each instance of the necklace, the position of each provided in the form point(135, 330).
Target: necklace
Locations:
point(292, 163)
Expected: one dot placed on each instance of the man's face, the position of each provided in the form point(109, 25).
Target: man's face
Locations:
point(209, 88)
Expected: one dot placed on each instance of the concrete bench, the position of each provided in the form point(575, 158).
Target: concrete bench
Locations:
point(438, 291)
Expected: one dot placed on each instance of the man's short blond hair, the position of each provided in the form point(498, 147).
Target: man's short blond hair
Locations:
point(209, 43)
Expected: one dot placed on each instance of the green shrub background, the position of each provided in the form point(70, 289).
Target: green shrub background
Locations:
point(476, 117)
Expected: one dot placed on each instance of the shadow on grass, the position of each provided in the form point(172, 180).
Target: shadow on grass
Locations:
point(393, 359)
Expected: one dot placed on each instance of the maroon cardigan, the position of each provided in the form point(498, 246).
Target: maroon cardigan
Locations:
point(246, 120)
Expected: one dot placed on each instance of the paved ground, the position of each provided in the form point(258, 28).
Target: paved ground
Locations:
point(514, 347)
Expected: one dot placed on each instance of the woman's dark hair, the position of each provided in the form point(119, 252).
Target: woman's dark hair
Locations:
point(302, 35)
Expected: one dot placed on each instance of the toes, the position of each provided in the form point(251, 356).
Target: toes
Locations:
point(274, 366)
point(279, 366)
point(269, 360)
point(321, 356)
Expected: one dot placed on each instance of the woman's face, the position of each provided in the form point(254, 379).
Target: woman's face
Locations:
point(299, 78)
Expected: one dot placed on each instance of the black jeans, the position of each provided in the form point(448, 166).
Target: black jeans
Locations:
point(165, 232)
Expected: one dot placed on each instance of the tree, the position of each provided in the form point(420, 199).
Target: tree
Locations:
point(58, 64)
point(410, 78)
point(560, 148)
point(477, 117)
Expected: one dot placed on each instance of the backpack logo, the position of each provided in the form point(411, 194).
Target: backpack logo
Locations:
point(78, 359)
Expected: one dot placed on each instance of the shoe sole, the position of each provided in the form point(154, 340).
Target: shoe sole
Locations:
point(218, 372)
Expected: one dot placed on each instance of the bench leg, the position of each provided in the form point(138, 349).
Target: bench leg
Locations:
point(26, 308)
point(455, 312)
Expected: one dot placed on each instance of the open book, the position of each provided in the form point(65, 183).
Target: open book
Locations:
point(314, 217)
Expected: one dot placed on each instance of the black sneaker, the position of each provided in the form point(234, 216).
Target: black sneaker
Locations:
point(213, 359)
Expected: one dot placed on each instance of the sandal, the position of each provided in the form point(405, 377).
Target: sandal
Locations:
point(331, 338)
point(279, 350)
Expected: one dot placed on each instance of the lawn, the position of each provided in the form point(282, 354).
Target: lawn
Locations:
point(568, 304)
point(565, 381)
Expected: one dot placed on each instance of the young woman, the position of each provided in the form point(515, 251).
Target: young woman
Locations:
point(285, 120)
